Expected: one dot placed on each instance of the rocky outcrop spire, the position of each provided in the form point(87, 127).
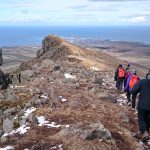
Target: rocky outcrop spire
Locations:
point(52, 48)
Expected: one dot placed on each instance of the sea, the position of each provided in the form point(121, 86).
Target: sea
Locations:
point(32, 35)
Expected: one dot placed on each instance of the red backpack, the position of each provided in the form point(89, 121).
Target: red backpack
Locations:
point(121, 73)
point(134, 79)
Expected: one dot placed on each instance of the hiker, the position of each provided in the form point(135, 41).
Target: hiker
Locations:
point(128, 66)
point(148, 74)
point(119, 77)
point(131, 81)
point(127, 74)
point(143, 87)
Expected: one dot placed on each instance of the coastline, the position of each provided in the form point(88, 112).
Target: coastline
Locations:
point(135, 52)
point(125, 50)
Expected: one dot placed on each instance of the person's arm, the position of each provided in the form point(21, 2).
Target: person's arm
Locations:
point(136, 89)
point(116, 75)
point(127, 84)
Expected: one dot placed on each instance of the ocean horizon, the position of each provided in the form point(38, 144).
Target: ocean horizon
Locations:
point(11, 36)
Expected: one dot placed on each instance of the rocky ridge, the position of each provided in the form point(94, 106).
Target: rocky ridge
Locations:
point(67, 100)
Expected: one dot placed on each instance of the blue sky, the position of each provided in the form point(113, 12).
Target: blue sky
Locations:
point(74, 12)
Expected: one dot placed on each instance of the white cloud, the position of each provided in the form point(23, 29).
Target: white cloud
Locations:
point(139, 19)
point(73, 12)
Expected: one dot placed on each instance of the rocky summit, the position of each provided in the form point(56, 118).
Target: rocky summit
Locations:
point(65, 99)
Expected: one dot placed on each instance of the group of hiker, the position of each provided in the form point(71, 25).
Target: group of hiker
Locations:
point(129, 82)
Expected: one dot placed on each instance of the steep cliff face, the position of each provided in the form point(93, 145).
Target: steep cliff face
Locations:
point(67, 100)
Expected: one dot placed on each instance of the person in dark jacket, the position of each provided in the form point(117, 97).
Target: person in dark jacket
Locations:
point(148, 73)
point(143, 87)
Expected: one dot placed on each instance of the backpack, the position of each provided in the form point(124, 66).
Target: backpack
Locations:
point(134, 79)
point(121, 73)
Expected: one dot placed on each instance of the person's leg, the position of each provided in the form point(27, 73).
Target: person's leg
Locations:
point(121, 84)
point(125, 82)
point(142, 123)
point(133, 100)
point(148, 121)
point(128, 96)
point(118, 84)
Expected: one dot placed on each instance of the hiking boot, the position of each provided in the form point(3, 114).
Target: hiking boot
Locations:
point(129, 103)
point(137, 135)
point(145, 136)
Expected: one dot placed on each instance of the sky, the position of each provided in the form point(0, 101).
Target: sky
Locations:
point(74, 12)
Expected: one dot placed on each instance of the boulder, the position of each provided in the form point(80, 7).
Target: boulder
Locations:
point(89, 132)
point(7, 125)
point(47, 63)
point(26, 76)
point(9, 95)
point(97, 130)
point(1, 132)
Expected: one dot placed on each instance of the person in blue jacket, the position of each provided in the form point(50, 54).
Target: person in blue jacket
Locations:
point(131, 81)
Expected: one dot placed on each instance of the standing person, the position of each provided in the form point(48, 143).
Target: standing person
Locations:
point(128, 66)
point(127, 74)
point(119, 77)
point(143, 87)
point(131, 81)
point(148, 73)
point(116, 74)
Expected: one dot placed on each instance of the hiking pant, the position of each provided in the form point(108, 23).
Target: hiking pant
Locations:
point(128, 96)
point(144, 120)
point(133, 99)
point(125, 82)
point(119, 83)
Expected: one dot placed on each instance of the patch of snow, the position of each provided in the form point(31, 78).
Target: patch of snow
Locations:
point(45, 95)
point(28, 111)
point(62, 99)
point(53, 125)
point(21, 130)
point(16, 86)
point(69, 76)
point(26, 149)
point(43, 122)
point(58, 147)
point(7, 148)
point(94, 68)
point(67, 126)
point(15, 117)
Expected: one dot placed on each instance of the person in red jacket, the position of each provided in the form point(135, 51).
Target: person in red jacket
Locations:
point(119, 77)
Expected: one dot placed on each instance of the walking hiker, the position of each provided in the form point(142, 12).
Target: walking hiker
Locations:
point(143, 87)
point(148, 73)
point(131, 81)
point(119, 77)
point(127, 74)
